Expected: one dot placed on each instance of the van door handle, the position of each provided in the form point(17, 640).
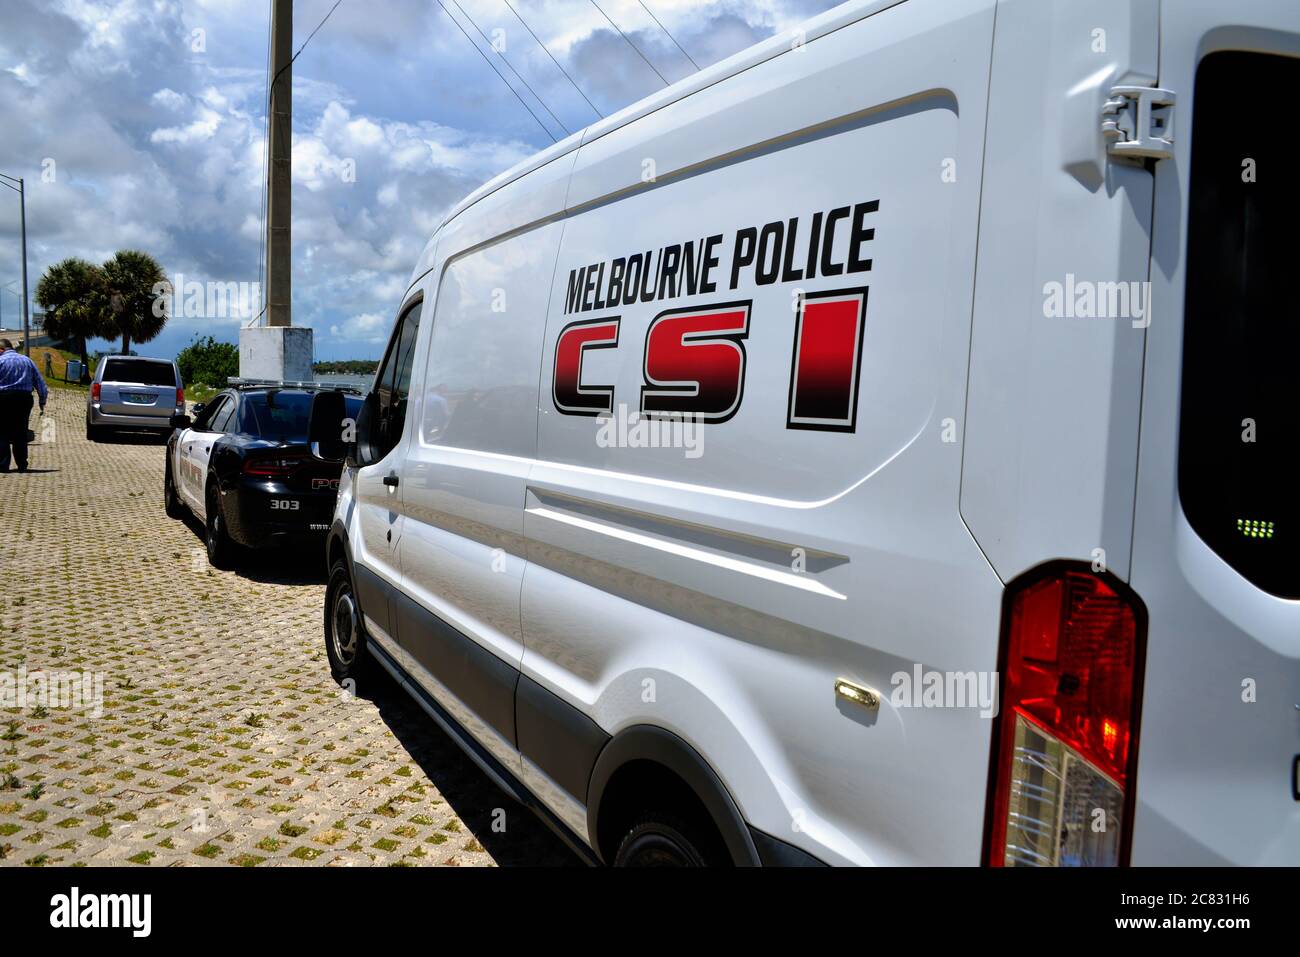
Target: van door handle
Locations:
point(390, 481)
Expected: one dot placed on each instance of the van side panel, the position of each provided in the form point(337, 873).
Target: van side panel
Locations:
point(719, 590)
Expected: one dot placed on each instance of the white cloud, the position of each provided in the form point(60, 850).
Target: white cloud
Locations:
point(169, 99)
point(202, 128)
point(371, 327)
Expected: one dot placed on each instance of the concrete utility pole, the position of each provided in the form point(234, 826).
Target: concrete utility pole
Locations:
point(278, 350)
point(279, 279)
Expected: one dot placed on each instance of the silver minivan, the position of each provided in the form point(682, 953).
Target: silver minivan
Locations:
point(132, 392)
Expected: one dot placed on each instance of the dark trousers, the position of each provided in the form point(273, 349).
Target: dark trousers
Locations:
point(15, 410)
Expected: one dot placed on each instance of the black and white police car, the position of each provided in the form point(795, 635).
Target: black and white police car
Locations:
point(242, 464)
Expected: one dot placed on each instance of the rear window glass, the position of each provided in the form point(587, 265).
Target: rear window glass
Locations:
point(1241, 337)
point(283, 416)
point(141, 371)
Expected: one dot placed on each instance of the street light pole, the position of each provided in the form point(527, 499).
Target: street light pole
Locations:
point(21, 189)
point(22, 204)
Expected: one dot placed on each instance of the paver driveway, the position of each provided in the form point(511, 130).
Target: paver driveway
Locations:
point(222, 737)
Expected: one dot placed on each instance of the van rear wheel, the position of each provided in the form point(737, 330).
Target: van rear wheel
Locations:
point(664, 840)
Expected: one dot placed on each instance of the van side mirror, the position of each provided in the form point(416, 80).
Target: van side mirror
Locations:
point(325, 428)
point(179, 421)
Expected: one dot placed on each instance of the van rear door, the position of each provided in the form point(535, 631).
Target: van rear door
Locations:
point(1216, 551)
point(138, 387)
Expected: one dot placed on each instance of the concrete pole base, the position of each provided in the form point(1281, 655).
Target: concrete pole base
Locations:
point(282, 353)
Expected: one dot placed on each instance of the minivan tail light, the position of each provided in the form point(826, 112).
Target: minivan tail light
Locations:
point(1066, 746)
point(94, 392)
point(180, 396)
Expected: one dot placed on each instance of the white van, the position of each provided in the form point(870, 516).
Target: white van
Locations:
point(869, 450)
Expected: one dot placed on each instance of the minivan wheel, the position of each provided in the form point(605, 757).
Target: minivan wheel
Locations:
point(345, 636)
point(220, 548)
point(171, 504)
point(661, 840)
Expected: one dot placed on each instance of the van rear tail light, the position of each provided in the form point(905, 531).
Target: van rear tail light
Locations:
point(1067, 732)
point(94, 392)
point(180, 397)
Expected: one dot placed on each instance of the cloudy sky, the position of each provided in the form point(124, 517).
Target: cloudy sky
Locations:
point(140, 124)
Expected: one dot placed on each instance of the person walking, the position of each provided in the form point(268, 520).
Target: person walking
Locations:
point(18, 377)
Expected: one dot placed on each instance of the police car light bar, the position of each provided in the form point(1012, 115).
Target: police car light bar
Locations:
point(239, 382)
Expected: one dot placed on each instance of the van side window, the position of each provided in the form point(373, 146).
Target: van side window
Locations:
point(393, 382)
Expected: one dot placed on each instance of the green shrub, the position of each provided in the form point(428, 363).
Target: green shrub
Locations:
point(209, 362)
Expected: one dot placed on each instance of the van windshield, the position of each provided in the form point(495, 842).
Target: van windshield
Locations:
point(142, 371)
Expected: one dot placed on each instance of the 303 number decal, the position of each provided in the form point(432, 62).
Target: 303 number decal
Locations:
point(694, 362)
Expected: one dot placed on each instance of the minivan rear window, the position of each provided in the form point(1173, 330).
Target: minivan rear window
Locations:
point(142, 371)
point(1241, 338)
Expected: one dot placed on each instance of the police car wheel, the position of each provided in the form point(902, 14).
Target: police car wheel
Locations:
point(171, 504)
point(220, 547)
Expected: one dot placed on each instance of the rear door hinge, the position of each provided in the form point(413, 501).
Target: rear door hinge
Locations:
point(1138, 122)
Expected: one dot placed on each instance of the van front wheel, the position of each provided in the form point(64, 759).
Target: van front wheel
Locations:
point(345, 637)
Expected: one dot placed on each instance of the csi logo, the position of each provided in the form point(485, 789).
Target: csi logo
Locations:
point(324, 483)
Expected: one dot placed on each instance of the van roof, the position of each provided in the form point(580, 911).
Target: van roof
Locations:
point(828, 22)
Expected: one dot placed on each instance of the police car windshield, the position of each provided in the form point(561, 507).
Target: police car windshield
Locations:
point(282, 416)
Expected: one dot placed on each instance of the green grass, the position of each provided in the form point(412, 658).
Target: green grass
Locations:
point(201, 392)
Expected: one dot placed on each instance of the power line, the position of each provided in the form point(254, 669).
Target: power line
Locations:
point(511, 68)
point(499, 74)
point(552, 56)
point(629, 42)
point(303, 47)
point(669, 35)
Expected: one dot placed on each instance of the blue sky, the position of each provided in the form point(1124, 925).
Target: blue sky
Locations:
point(140, 124)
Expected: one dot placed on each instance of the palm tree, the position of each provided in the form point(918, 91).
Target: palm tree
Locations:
point(137, 296)
point(72, 294)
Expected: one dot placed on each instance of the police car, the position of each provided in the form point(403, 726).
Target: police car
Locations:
point(242, 465)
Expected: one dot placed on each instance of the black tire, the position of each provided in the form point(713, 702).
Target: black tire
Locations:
point(221, 550)
point(661, 839)
point(171, 502)
point(345, 633)
point(94, 433)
